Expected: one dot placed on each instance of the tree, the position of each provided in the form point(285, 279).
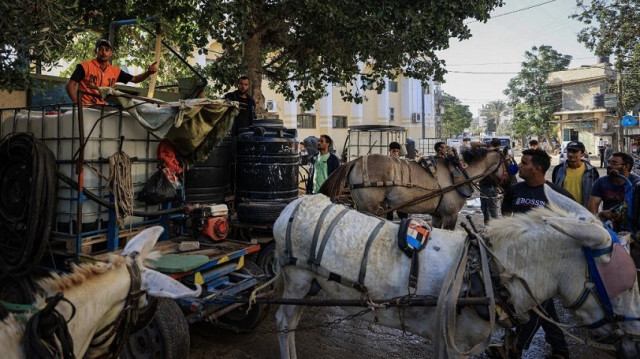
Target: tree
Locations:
point(613, 29)
point(33, 31)
point(528, 93)
point(456, 117)
point(493, 110)
point(309, 43)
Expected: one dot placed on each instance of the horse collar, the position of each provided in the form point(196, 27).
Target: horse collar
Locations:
point(119, 328)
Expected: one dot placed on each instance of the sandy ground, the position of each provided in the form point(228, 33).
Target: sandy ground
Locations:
point(353, 339)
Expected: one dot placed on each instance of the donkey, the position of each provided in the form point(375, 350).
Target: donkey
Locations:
point(536, 256)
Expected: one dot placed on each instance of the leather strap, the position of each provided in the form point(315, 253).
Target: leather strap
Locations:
point(365, 256)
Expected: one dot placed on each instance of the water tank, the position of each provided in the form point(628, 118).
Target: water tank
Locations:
point(267, 161)
point(597, 100)
point(210, 181)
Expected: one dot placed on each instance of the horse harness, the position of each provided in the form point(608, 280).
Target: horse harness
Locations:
point(118, 330)
point(412, 238)
point(596, 286)
point(430, 166)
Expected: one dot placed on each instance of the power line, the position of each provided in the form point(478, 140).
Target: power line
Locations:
point(515, 11)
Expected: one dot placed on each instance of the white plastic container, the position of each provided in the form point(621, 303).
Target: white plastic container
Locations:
point(59, 131)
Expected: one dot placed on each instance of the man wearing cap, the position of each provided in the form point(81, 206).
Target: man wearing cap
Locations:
point(99, 72)
point(576, 175)
point(610, 189)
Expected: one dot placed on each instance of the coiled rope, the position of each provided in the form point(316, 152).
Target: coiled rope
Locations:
point(120, 184)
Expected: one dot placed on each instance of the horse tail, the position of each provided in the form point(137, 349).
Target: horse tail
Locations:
point(334, 185)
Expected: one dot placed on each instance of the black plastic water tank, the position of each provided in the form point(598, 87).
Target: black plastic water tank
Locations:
point(267, 161)
point(210, 181)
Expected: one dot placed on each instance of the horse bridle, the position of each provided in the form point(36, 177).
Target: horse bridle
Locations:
point(118, 330)
point(595, 287)
point(505, 173)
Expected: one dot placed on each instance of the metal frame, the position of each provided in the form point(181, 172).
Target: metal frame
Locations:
point(76, 156)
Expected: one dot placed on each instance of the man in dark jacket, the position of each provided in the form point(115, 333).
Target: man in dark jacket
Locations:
point(247, 105)
point(321, 165)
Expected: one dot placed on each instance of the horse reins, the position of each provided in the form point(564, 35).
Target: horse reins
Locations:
point(118, 330)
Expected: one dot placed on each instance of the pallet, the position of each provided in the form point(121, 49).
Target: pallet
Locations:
point(96, 243)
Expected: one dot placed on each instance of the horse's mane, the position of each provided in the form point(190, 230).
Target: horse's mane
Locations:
point(80, 274)
point(474, 154)
point(508, 228)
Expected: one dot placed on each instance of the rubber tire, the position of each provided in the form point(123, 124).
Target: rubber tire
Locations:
point(165, 337)
point(260, 212)
point(238, 317)
point(267, 259)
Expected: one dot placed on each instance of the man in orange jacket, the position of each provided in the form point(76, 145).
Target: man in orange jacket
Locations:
point(99, 72)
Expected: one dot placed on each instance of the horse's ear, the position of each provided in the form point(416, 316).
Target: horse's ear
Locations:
point(160, 285)
point(567, 204)
point(589, 234)
point(143, 242)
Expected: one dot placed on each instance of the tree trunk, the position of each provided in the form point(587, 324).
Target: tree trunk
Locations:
point(253, 59)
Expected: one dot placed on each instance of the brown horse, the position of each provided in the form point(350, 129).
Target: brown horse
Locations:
point(378, 181)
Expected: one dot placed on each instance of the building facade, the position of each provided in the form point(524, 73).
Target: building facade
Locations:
point(404, 102)
point(584, 105)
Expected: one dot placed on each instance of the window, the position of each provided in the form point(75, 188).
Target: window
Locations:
point(340, 122)
point(391, 113)
point(367, 84)
point(393, 86)
point(306, 121)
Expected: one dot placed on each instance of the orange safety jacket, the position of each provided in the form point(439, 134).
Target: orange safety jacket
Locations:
point(94, 76)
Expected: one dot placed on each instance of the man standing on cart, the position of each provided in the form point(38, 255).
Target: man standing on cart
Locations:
point(99, 72)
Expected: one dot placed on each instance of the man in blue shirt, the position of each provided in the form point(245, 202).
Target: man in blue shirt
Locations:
point(610, 189)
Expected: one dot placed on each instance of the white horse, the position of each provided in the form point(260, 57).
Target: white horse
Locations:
point(99, 293)
point(543, 248)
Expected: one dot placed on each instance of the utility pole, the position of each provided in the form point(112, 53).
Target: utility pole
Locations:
point(621, 112)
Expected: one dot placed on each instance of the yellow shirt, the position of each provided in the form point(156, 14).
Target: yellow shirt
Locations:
point(573, 182)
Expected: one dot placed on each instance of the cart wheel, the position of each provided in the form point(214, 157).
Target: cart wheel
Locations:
point(267, 259)
point(239, 317)
point(165, 337)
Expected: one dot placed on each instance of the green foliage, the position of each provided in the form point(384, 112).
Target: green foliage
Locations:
point(493, 110)
point(305, 42)
point(33, 31)
point(456, 117)
point(528, 93)
point(612, 28)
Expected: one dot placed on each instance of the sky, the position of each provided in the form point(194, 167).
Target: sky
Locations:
point(497, 47)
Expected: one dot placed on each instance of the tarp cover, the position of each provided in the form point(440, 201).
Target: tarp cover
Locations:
point(194, 126)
